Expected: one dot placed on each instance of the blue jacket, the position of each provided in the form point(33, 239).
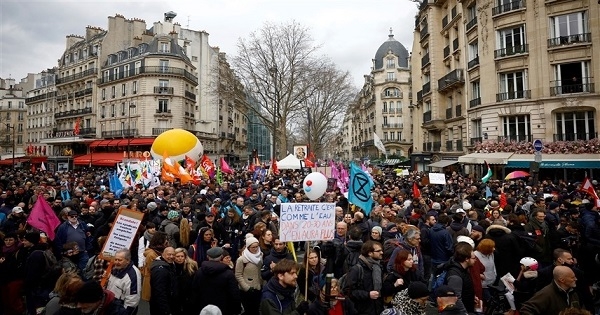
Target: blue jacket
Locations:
point(441, 244)
point(61, 237)
point(591, 230)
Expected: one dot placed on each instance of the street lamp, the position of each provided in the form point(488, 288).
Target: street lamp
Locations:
point(129, 135)
point(273, 72)
point(8, 126)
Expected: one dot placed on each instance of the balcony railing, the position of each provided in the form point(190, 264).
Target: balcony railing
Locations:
point(473, 62)
point(459, 145)
point(513, 95)
point(455, 44)
point(568, 88)
point(476, 140)
point(426, 88)
point(453, 78)
point(515, 138)
point(158, 131)
point(509, 51)
point(448, 145)
point(424, 32)
point(458, 110)
point(163, 111)
point(148, 70)
point(392, 125)
point(83, 92)
point(190, 95)
point(120, 133)
point(73, 112)
point(425, 60)
point(48, 95)
point(230, 136)
point(163, 90)
point(471, 23)
point(449, 113)
point(575, 136)
point(77, 76)
point(427, 116)
point(570, 39)
point(507, 7)
point(62, 133)
point(474, 102)
point(446, 51)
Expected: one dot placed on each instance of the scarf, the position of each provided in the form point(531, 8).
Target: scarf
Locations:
point(376, 272)
point(253, 258)
point(9, 250)
point(148, 238)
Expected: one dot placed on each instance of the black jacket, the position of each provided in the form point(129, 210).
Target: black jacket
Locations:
point(358, 290)
point(163, 284)
point(508, 250)
point(214, 283)
point(460, 280)
point(275, 257)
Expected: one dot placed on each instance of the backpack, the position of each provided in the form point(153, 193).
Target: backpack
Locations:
point(342, 280)
point(88, 271)
point(52, 270)
point(438, 280)
point(350, 260)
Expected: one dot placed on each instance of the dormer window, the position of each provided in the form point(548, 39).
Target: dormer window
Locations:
point(163, 47)
point(142, 48)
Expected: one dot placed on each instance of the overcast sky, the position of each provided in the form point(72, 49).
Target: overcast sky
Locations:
point(32, 33)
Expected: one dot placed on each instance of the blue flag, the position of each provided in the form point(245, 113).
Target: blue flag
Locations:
point(488, 192)
point(359, 189)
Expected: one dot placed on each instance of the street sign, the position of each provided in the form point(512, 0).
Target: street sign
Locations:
point(538, 145)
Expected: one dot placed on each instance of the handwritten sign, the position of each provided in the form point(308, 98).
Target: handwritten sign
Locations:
point(122, 232)
point(437, 178)
point(307, 222)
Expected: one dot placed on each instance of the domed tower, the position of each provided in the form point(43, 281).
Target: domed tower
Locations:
point(391, 46)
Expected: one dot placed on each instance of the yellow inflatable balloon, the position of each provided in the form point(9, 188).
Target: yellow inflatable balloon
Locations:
point(177, 144)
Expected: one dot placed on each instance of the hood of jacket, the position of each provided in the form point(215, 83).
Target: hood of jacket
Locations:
point(497, 230)
point(213, 267)
point(456, 226)
point(354, 245)
point(438, 227)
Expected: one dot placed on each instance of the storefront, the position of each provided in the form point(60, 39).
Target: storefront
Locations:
point(571, 166)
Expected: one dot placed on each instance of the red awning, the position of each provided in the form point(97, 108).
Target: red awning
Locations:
point(99, 159)
point(10, 161)
point(100, 143)
point(135, 141)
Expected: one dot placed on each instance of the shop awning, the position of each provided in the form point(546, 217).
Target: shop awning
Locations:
point(556, 161)
point(442, 163)
point(481, 158)
point(10, 161)
point(100, 143)
point(136, 141)
point(99, 159)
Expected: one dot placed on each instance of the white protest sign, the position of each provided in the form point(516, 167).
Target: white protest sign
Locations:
point(122, 232)
point(307, 222)
point(405, 172)
point(437, 178)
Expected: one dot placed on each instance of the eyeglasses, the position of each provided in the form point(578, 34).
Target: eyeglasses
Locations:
point(378, 251)
point(73, 216)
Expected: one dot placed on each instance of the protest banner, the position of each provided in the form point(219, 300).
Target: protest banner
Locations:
point(122, 233)
point(437, 178)
point(307, 222)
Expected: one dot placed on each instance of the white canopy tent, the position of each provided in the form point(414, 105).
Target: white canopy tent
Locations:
point(290, 162)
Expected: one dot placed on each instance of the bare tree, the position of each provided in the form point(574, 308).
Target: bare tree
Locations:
point(277, 64)
point(325, 108)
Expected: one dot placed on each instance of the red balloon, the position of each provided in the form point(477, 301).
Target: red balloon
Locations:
point(309, 183)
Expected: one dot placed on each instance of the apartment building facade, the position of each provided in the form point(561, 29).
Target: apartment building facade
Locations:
point(12, 119)
point(502, 72)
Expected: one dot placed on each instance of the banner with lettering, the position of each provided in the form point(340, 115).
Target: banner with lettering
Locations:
point(122, 233)
point(307, 222)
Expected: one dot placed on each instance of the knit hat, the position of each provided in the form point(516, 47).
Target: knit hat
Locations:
point(390, 226)
point(465, 239)
point(553, 205)
point(210, 310)
point(377, 229)
point(445, 291)
point(214, 252)
point(417, 289)
point(466, 206)
point(90, 292)
point(17, 210)
point(33, 237)
point(251, 240)
point(172, 215)
point(436, 206)
point(151, 206)
point(478, 228)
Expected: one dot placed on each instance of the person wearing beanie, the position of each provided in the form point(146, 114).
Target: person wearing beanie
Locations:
point(376, 232)
point(170, 225)
point(211, 310)
point(92, 299)
point(247, 274)
point(412, 300)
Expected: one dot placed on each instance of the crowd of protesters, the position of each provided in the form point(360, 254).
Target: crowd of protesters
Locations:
point(214, 249)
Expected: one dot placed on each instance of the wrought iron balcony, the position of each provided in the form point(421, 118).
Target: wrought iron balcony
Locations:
point(163, 90)
point(567, 88)
point(426, 116)
point(570, 39)
point(515, 138)
point(476, 140)
point(425, 60)
point(510, 51)
point(76, 76)
point(73, 112)
point(475, 102)
point(471, 23)
point(48, 95)
point(163, 112)
point(453, 78)
point(190, 95)
point(158, 131)
point(392, 125)
point(120, 133)
point(149, 70)
point(474, 62)
point(507, 7)
point(513, 95)
point(575, 136)
point(83, 92)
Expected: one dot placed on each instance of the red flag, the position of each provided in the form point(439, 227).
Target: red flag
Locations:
point(77, 128)
point(189, 164)
point(225, 167)
point(416, 191)
point(589, 189)
point(208, 165)
point(251, 167)
point(274, 168)
point(43, 218)
point(33, 170)
point(308, 163)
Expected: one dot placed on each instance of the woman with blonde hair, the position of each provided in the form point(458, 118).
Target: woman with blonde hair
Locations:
point(185, 268)
point(247, 273)
point(62, 295)
point(184, 233)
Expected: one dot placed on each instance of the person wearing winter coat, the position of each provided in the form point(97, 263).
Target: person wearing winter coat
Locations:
point(171, 226)
point(412, 300)
point(214, 283)
point(278, 293)
point(508, 251)
point(278, 252)
point(335, 303)
point(247, 274)
point(163, 284)
point(440, 240)
point(92, 299)
point(365, 291)
point(411, 243)
point(125, 280)
point(154, 250)
point(556, 296)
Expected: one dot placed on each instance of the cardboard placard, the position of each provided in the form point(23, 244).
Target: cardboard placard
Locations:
point(307, 222)
point(122, 233)
point(437, 178)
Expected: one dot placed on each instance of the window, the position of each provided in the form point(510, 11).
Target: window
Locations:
point(163, 83)
point(116, 73)
point(392, 92)
point(385, 136)
point(21, 104)
point(164, 47)
point(427, 107)
point(472, 12)
point(103, 94)
point(399, 135)
point(164, 65)
point(126, 70)
point(391, 76)
point(511, 41)
point(106, 76)
point(476, 89)
point(575, 126)
point(20, 116)
point(516, 128)
point(512, 86)
point(142, 48)
point(138, 66)
point(473, 50)
point(19, 139)
point(123, 109)
point(134, 87)
point(384, 107)
point(476, 127)
point(163, 106)
point(9, 104)
point(391, 63)
point(392, 136)
point(113, 92)
point(568, 25)
point(123, 89)
point(113, 110)
point(88, 123)
point(571, 78)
